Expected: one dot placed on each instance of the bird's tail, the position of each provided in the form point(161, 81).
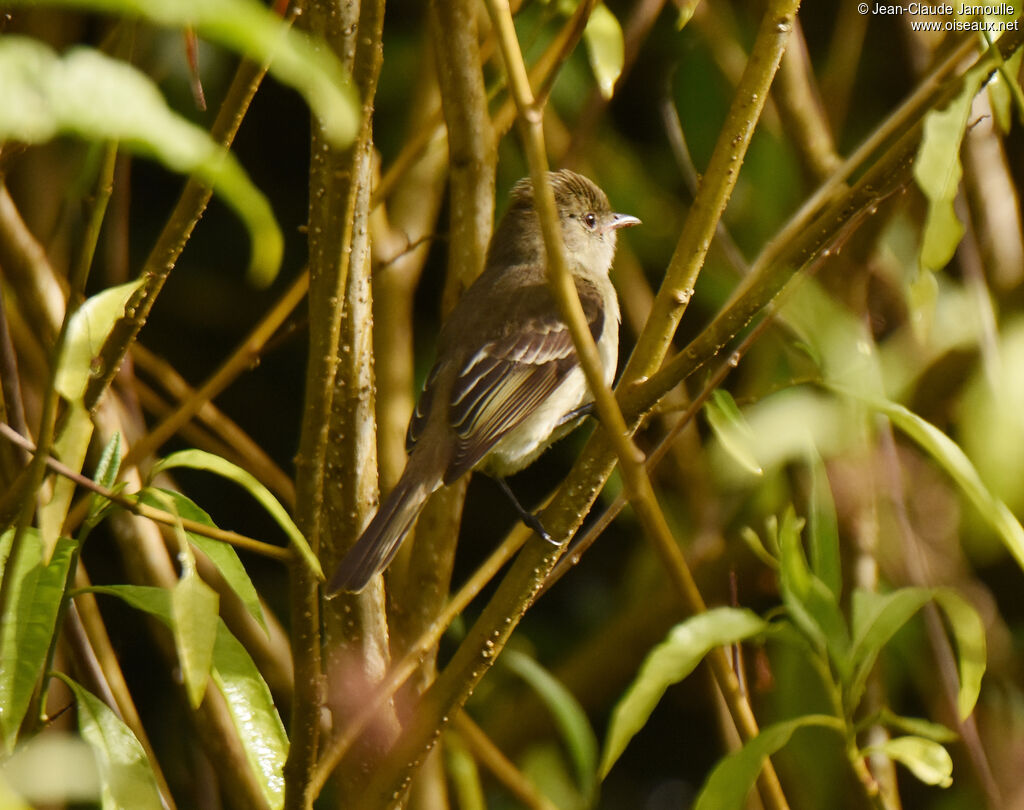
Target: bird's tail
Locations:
point(379, 542)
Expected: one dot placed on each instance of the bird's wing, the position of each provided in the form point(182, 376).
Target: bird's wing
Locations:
point(505, 380)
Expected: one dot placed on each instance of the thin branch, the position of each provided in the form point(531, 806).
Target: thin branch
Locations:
point(130, 504)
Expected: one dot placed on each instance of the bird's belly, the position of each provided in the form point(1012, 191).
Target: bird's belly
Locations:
point(521, 445)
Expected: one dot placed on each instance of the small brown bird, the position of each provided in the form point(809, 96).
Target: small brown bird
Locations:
point(507, 381)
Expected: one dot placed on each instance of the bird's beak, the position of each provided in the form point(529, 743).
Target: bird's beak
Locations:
point(621, 221)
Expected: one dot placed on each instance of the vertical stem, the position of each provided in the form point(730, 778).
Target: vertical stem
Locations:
point(337, 455)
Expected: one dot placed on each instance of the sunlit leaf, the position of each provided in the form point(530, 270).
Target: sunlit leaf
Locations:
point(605, 47)
point(875, 619)
point(731, 780)
point(918, 727)
point(937, 170)
point(249, 702)
point(294, 57)
point(732, 430)
point(823, 527)
point(89, 95)
point(926, 759)
point(194, 609)
point(948, 455)
point(757, 546)
point(569, 716)
point(105, 475)
point(125, 772)
point(968, 632)
point(809, 602)
point(30, 773)
point(87, 330)
point(201, 460)
point(221, 554)
point(668, 663)
point(28, 622)
point(686, 9)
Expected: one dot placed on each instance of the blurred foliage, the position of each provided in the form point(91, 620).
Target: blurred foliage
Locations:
point(849, 499)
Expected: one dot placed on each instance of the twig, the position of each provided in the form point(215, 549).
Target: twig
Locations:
point(144, 510)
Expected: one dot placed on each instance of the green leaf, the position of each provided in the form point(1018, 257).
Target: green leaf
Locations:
point(948, 455)
point(823, 527)
point(294, 57)
point(249, 701)
point(809, 602)
point(87, 330)
point(757, 546)
point(28, 622)
point(732, 430)
point(29, 773)
point(918, 727)
point(686, 9)
point(106, 476)
point(969, 634)
point(221, 554)
point(253, 713)
point(876, 618)
point(668, 663)
point(89, 95)
point(127, 776)
point(461, 768)
point(731, 780)
point(569, 716)
point(605, 48)
point(926, 759)
point(201, 460)
point(194, 607)
point(937, 170)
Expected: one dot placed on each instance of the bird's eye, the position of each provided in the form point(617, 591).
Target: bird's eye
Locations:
point(590, 220)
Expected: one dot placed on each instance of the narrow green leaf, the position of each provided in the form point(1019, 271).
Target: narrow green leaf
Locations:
point(88, 95)
point(249, 701)
point(29, 773)
point(461, 768)
point(28, 623)
point(569, 716)
point(686, 9)
point(294, 57)
point(127, 776)
point(757, 546)
point(106, 476)
point(918, 727)
point(253, 713)
point(969, 634)
point(731, 780)
point(221, 554)
point(823, 527)
point(194, 607)
point(605, 48)
point(201, 460)
point(813, 607)
point(937, 170)
point(732, 430)
point(926, 759)
point(668, 663)
point(948, 455)
point(876, 618)
point(87, 330)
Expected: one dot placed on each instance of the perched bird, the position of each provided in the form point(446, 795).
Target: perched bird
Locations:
point(507, 381)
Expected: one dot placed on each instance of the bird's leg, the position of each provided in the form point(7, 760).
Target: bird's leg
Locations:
point(530, 519)
point(577, 413)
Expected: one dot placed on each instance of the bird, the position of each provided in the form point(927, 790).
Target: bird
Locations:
point(507, 381)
